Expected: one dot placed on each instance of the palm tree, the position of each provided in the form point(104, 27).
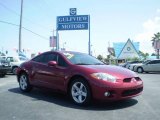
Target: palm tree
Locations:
point(156, 43)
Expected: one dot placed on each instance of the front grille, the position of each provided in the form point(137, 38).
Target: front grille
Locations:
point(130, 79)
point(132, 92)
point(127, 80)
point(138, 79)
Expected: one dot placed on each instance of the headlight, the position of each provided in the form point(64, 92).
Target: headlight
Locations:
point(104, 76)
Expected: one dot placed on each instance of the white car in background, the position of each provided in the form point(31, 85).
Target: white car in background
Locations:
point(133, 66)
point(15, 62)
point(148, 66)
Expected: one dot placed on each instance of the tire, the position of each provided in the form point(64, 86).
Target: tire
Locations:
point(140, 70)
point(24, 84)
point(80, 92)
point(14, 69)
point(2, 75)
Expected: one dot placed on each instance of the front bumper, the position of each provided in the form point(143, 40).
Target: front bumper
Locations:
point(4, 69)
point(117, 92)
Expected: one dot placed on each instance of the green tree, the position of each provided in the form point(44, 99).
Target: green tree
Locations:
point(153, 54)
point(135, 59)
point(100, 57)
point(106, 60)
point(143, 55)
point(156, 43)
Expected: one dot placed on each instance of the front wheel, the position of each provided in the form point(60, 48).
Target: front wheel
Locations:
point(2, 75)
point(80, 92)
point(140, 70)
point(24, 83)
point(14, 70)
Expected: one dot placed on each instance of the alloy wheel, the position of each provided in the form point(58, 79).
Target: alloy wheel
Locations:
point(79, 92)
point(23, 82)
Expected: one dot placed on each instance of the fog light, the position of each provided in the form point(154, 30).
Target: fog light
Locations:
point(107, 94)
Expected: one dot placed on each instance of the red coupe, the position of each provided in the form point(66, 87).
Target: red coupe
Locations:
point(80, 75)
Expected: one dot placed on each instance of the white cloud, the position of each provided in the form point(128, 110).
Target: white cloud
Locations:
point(158, 10)
point(150, 27)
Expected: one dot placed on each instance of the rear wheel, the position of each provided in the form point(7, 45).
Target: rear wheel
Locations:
point(80, 92)
point(24, 83)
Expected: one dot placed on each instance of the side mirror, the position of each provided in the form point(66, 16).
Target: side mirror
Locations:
point(52, 63)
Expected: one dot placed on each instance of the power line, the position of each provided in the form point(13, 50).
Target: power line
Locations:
point(41, 6)
point(9, 9)
point(9, 23)
point(24, 29)
point(35, 33)
point(14, 12)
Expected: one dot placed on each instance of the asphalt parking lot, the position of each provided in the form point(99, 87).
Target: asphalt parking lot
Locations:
point(45, 105)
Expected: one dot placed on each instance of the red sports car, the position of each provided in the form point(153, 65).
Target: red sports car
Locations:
point(80, 75)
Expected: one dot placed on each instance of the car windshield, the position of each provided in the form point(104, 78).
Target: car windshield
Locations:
point(146, 61)
point(82, 59)
point(2, 59)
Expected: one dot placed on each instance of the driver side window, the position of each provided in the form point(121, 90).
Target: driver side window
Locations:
point(61, 62)
point(45, 58)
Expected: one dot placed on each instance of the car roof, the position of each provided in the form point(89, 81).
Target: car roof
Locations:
point(61, 52)
point(155, 60)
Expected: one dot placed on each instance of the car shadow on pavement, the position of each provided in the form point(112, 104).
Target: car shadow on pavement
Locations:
point(156, 73)
point(7, 75)
point(63, 100)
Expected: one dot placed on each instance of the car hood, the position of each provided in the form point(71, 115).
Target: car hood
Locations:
point(138, 64)
point(113, 70)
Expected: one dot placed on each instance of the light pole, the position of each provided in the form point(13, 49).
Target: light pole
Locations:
point(64, 46)
point(20, 27)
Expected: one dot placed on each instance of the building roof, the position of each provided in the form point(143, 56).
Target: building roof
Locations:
point(121, 48)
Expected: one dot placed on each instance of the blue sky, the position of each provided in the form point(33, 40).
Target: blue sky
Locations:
point(111, 21)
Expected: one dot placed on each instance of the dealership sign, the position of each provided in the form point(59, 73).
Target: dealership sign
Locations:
point(73, 22)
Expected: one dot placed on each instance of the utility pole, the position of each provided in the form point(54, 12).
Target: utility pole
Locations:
point(89, 42)
point(20, 27)
point(53, 38)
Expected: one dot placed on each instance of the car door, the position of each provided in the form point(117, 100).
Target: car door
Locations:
point(50, 76)
point(152, 66)
point(41, 72)
point(156, 66)
point(61, 72)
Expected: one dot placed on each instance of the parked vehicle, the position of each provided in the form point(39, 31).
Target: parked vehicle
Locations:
point(15, 61)
point(131, 66)
point(148, 66)
point(133, 62)
point(79, 75)
point(127, 64)
point(4, 66)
